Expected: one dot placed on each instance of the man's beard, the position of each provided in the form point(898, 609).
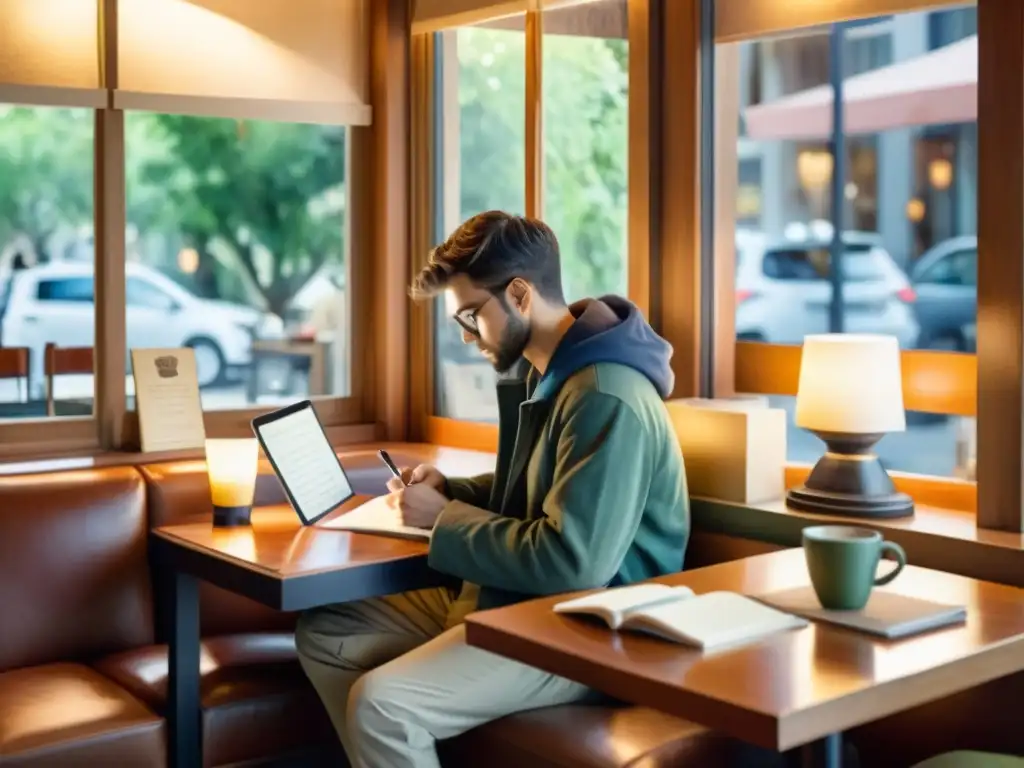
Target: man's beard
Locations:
point(512, 344)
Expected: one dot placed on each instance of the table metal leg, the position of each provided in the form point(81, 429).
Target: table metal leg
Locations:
point(825, 753)
point(184, 715)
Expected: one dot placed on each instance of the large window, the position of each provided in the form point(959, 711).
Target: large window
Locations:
point(908, 257)
point(480, 124)
point(481, 118)
point(184, 179)
point(46, 260)
point(236, 248)
point(585, 78)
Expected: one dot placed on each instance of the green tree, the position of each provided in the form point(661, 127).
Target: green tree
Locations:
point(492, 120)
point(272, 193)
point(586, 112)
point(45, 174)
point(585, 96)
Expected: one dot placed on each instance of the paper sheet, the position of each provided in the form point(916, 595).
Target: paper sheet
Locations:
point(167, 399)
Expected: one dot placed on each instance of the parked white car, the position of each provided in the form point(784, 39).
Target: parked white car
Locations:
point(54, 303)
point(783, 291)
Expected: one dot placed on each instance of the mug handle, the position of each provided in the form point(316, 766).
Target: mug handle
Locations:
point(901, 561)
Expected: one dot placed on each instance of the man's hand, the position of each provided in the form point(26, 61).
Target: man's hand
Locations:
point(420, 504)
point(424, 474)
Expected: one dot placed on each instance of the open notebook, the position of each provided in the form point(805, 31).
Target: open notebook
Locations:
point(709, 621)
point(376, 516)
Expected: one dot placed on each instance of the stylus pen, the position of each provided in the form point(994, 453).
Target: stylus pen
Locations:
point(390, 464)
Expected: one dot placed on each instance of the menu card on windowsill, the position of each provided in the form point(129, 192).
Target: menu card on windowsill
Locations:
point(167, 399)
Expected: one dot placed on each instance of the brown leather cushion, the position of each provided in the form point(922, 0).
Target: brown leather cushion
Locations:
point(589, 737)
point(74, 579)
point(68, 715)
point(256, 700)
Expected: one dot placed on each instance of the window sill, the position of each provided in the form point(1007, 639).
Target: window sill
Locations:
point(943, 539)
point(354, 436)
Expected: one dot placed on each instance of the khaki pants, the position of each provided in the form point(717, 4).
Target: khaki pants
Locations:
point(396, 675)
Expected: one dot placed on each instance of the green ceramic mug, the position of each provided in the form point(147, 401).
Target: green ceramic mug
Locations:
point(842, 561)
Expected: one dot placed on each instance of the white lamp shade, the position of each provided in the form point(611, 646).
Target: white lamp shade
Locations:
point(850, 384)
point(232, 466)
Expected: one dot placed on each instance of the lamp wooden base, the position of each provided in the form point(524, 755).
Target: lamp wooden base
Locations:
point(231, 517)
point(850, 481)
point(890, 506)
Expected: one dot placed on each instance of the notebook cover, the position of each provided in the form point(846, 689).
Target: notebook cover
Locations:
point(887, 614)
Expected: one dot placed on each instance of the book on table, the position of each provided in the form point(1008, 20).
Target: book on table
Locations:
point(709, 621)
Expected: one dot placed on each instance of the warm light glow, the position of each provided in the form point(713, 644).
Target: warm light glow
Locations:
point(270, 49)
point(851, 384)
point(915, 210)
point(79, 698)
point(814, 168)
point(940, 173)
point(49, 43)
point(238, 542)
point(232, 466)
point(188, 260)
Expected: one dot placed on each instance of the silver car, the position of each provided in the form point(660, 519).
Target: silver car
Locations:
point(783, 291)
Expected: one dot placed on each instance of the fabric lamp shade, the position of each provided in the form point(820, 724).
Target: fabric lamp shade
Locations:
point(850, 384)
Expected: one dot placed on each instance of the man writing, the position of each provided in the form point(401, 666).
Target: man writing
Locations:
point(588, 491)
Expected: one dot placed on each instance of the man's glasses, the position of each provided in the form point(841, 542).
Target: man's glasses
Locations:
point(467, 318)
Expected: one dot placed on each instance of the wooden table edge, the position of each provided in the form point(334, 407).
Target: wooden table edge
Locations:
point(290, 592)
point(777, 731)
point(759, 728)
point(891, 697)
point(170, 538)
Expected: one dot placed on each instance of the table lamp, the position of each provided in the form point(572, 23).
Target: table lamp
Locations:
point(232, 466)
point(850, 395)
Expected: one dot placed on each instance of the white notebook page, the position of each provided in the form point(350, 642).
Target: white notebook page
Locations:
point(376, 516)
point(624, 598)
point(306, 462)
point(719, 619)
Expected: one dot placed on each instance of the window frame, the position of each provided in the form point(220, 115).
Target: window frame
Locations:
point(375, 236)
point(428, 74)
point(664, 220)
point(943, 382)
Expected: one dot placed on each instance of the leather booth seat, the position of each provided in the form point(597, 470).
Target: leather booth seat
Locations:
point(69, 715)
point(83, 668)
point(74, 585)
point(255, 699)
point(583, 736)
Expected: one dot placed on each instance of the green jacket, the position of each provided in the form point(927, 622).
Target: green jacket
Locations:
point(589, 488)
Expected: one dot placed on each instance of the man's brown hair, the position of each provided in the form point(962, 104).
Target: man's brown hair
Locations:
point(492, 249)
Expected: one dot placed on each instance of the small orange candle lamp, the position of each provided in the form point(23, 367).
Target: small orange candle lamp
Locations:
point(232, 466)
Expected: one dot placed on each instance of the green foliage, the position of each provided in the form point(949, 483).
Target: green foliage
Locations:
point(270, 195)
point(585, 84)
point(45, 174)
point(273, 193)
point(265, 201)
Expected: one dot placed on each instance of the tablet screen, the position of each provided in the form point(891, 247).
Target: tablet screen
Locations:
point(305, 462)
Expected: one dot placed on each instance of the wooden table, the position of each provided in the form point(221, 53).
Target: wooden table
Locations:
point(280, 564)
point(796, 688)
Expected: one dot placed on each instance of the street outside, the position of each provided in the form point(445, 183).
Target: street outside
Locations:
point(217, 398)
